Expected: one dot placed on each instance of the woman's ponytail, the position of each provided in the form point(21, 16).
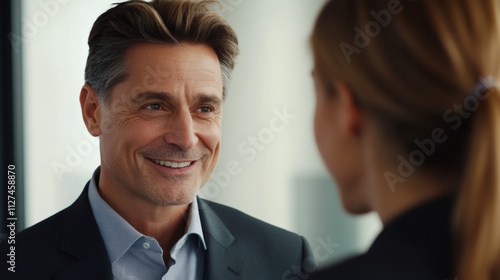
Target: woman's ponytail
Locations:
point(477, 211)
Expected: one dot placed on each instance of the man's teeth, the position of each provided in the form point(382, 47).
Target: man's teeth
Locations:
point(172, 164)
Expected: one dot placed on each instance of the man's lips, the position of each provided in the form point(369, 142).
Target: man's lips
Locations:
point(172, 164)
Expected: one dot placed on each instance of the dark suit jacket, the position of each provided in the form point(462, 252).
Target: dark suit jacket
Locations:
point(69, 246)
point(414, 246)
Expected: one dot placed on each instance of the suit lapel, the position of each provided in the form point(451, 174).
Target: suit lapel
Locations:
point(82, 240)
point(221, 260)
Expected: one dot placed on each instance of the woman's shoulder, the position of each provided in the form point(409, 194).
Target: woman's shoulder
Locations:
point(416, 245)
point(382, 267)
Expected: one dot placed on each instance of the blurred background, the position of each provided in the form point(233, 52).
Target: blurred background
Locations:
point(267, 120)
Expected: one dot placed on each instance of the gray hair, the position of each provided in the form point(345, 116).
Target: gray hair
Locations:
point(159, 21)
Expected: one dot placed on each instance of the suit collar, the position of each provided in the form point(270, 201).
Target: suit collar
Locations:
point(213, 225)
point(82, 240)
point(221, 260)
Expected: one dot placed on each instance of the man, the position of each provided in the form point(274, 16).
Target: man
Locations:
point(156, 77)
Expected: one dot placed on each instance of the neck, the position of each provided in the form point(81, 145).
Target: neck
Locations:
point(165, 223)
point(391, 202)
point(394, 197)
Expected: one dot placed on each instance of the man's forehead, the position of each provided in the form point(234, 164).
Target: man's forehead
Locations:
point(183, 56)
point(173, 72)
point(173, 62)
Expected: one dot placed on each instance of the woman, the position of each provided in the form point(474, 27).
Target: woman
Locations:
point(408, 123)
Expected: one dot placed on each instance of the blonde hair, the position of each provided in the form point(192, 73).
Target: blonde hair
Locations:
point(159, 21)
point(407, 64)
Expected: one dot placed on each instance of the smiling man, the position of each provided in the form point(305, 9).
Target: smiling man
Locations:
point(156, 77)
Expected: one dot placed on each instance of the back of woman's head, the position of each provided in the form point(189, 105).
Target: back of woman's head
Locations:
point(414, 66)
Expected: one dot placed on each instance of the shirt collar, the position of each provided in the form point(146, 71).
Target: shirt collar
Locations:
point(118, 235)
point(194, 223)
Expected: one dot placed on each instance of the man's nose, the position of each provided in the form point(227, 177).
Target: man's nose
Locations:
point(180, 131)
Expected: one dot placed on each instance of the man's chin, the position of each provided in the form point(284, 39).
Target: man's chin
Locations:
point(172, 198)
point(174, 202)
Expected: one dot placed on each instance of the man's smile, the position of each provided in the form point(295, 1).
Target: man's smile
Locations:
point(172, 164)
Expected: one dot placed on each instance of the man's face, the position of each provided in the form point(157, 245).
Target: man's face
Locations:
point(161, 126)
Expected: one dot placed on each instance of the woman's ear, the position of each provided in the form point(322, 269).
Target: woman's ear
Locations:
point(91, 109)
point(350, 113)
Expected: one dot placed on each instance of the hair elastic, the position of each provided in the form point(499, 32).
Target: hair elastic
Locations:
point(483, 85)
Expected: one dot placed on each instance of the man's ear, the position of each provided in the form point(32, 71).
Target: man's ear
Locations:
point(91, 109)
point(351, 115)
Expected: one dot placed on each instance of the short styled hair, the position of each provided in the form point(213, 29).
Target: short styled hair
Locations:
point(159, 21)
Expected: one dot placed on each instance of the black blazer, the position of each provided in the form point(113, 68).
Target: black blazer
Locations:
point(68, 246)
point(414, 246)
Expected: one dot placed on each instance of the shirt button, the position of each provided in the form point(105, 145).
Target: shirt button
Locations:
point(146, 245)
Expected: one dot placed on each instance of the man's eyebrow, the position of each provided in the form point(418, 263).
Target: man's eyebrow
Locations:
point(163, 96)
point(208, 98)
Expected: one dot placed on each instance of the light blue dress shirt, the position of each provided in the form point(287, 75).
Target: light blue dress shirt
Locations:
point(134, 256)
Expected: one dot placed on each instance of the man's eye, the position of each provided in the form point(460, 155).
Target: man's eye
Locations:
point(205, 109)
point(154, 107)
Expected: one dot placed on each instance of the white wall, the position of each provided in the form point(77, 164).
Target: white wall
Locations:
point(55, 49)
point(279, 180)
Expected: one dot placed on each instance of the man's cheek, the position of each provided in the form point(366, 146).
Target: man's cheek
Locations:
point(213, 136)
point(106, 126)
point(213, 146)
